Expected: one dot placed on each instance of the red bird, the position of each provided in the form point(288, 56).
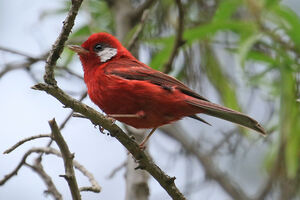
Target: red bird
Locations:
point(132, 92)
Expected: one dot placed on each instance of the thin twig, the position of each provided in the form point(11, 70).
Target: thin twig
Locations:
point(18, 53)
point(10, 67)
point(21, 163)
point(227, 137)
point(178, 39)
point(51, 189)
point(16, 66)
point(48, 150)
point(115, 170)
point(58, 46)
point(66, 69)
point(68, 160)
point(62, 125)
point(25, 140)
point(95, 186)
point(137, 33)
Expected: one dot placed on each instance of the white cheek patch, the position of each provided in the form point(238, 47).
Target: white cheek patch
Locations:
point(107, 53)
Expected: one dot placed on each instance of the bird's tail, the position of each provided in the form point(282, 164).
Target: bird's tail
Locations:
point(227, 114)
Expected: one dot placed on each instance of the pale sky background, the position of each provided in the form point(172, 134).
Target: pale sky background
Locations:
point(25, 112)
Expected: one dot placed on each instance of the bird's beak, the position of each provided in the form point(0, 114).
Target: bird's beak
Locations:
point(78, 49)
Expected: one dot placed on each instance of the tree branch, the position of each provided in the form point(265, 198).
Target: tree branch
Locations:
point(117, 169)
point(48, 150)
point(19, 53)
point(38, 168)
point(137, 33)
point(25, 140)
point(21, 163)
point(96, 118)
point(58, 46)
point(63, 124)
point(95, 186)
point(68, 160)
point(23, 65)
point(178, 39)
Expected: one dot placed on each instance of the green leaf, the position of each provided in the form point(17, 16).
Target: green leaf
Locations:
point(290, 22)
point(292, 152)
point(289, 118)
point(246, 46)
point(226, 9)
point(270, 3)
point(218, 77)
point(261, 57)
point(82, 31)
point(161, 57)
point(209, 30)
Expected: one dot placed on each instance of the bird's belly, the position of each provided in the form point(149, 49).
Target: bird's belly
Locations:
point(155, 105)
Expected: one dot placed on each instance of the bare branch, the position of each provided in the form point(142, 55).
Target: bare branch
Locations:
point(178, 39)
point(25, 140)
point(95, 186)
point(115, 170)
point(21, 163)
point(23, 65)
point(68, 160)
point(38, 168)
point(9, 67)
point(226, 138)
point(47, 150)
point(63, 124)
point(18, 53)
point(58, 46)
point(66, 69)
point(95, 117)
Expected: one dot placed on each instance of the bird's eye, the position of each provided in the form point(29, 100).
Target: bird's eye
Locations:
point(98, 47)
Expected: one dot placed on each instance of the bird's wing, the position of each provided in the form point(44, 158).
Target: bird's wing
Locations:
point(135, 70)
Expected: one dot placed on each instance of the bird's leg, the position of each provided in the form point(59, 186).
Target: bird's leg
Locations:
point(142, 145)
point(139, 114)
point(123, 115)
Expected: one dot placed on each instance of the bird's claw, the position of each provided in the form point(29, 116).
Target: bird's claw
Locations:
point(101, 129)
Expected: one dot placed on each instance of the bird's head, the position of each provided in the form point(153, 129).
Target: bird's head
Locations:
point(100, 48)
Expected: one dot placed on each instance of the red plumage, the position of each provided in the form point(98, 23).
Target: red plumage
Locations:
point(138, 95)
